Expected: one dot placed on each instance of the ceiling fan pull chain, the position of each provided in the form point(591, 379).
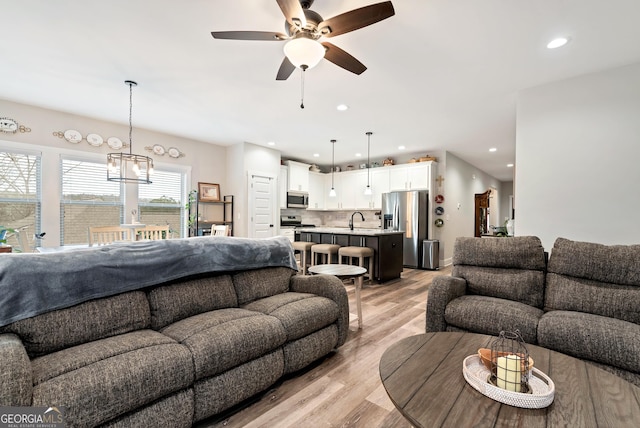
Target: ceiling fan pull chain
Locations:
point(302, 87)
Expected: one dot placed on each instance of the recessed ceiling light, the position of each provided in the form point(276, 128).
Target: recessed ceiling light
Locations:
point(316, 155)
point(509, 165)
point(342, 107)
point(358, 155)
point(271, 143)
point(557, 43)
point(493, 149)
point(401, 147)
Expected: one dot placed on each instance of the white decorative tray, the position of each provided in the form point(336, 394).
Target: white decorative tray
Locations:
point(541, 386)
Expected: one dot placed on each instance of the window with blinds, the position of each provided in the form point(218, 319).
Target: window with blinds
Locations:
point(162, 201)
point(20, 197)
point(88, 199)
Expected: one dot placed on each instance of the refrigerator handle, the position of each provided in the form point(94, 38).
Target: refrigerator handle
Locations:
point(396, 216)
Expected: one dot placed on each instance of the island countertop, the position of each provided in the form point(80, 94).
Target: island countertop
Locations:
point(346, 231)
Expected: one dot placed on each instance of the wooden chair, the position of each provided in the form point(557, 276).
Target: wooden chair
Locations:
point(152, 233)
point(220, 230)
point(103, 235)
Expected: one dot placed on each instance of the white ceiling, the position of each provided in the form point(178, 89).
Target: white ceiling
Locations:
point(442, 74)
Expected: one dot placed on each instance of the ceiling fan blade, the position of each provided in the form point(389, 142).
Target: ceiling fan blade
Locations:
point(343, 59)
point(286, 68)
point(292, 10)
point(356, 19)
point(249, 35)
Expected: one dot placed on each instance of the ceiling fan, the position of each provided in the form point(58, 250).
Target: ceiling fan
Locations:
point(304, 28)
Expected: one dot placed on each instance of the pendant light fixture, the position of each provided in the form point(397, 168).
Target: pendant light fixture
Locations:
point(367, 190)
point(332, 192)
point(129, 167)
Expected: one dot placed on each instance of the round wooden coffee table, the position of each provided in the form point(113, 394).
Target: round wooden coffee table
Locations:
point(344, 272)
point(423, 377)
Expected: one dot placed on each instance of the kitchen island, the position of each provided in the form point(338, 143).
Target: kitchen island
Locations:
point(386, 245)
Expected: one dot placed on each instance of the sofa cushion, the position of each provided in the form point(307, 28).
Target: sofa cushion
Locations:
point(225, 338)
point(218, 393)
point(592, 337)
point(143, 368)
point(88, 321)
point(174, 411)
point(181, 299)
point(255, 284)
point(73, 358)
point(489, 315)
point(583, 295)
point(299, 313)
point(614, 264)
point(594, 278)
point(300, 353)
point(524, 286)
point(519, 252)
point(509, 268)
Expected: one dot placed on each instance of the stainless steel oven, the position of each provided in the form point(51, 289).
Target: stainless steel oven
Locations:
point(297, 199)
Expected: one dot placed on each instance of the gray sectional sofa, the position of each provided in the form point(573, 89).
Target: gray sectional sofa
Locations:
point(585, 302)
point(162, 333)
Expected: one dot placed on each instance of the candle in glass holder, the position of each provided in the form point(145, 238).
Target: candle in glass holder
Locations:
point(508, 373)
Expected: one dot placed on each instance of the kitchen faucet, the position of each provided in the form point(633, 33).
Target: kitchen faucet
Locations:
point(351, 221)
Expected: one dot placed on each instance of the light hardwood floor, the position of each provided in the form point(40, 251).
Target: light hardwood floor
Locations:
point(344, 389)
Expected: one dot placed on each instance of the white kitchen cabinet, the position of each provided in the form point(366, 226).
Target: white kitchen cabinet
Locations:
point(379, 185)
point(349, 186)
point(317, 191)
point(415, 176)
point(283, 183)
point(333, 202)
point(358, 182)
point(298, 176)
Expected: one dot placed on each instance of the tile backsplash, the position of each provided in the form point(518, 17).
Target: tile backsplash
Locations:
point(336, 218)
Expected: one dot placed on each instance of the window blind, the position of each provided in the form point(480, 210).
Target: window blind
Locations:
point(86, 182)
point(165, 190)
point(20, 194)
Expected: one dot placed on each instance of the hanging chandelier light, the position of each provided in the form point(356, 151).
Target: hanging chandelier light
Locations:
point(367, 190)
point(129, 167)
point(332, 192)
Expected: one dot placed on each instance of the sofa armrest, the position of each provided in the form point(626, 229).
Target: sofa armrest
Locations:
point(16, 379)
point(330, 287)
point(443, 289)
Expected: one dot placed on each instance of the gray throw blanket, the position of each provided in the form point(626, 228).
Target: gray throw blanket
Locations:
point(32, 284)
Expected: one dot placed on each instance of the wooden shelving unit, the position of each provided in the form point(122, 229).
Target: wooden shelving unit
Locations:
point(205, 215)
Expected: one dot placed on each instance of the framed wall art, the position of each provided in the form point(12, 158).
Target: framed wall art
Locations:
point(208, 192)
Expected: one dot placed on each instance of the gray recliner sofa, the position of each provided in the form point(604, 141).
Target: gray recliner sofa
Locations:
point(188, 340)
point(585, 302)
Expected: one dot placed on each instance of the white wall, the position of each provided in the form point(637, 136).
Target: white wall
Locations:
point(246, 158)
point(462, 182)
point(577, 155)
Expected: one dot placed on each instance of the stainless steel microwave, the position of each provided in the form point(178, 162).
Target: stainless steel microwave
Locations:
point(297, 199)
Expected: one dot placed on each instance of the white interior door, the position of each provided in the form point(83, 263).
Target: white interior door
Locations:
point(261, 203)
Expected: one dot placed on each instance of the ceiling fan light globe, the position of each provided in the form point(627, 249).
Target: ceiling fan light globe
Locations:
point(304, 52)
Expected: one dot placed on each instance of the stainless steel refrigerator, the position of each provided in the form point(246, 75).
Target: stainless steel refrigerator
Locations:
point(408, 211)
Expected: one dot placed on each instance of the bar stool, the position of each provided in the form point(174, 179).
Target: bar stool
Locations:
point(326, 250)
point(361, 253)
point(304, 248)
